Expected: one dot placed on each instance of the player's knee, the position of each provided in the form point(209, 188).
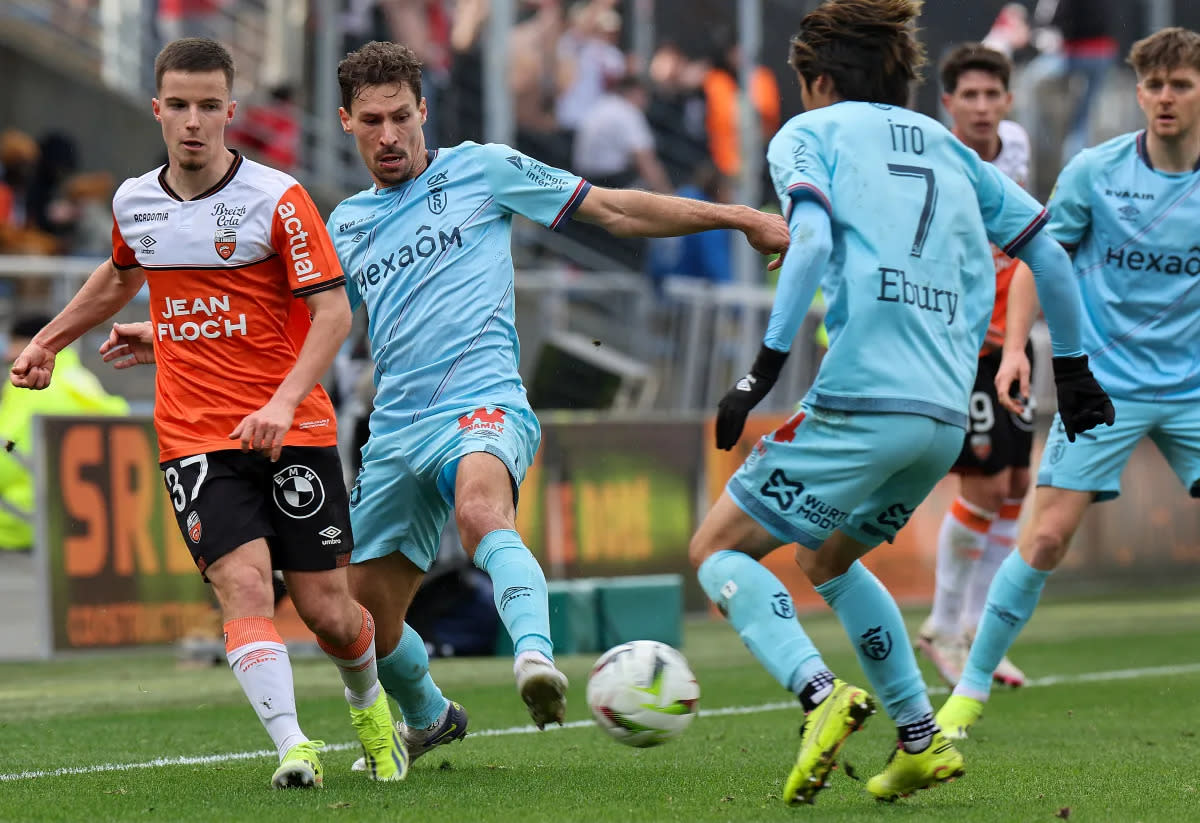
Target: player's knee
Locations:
point(475, 518)
point(1047, 548)
point(987, 493)
point(337, 621)
point(243, 590)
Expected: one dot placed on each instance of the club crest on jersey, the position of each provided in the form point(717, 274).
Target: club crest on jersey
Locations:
point(225, 242)
point(298, 492)
point(194, 527)
point(436, 200)
point(482, 422)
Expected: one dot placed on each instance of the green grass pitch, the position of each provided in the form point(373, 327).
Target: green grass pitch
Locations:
point(1108, 732)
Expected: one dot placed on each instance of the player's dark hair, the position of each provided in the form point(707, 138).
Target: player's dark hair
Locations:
point(869, 48)
point(1166, 49)
point(974, 57)
point(378, 64)
point(193, 54)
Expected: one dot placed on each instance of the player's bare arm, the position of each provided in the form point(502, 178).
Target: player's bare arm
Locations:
point(129, 344)
point(264, 429)
point(107, 289)
point(1014, 365)
point(632, 213)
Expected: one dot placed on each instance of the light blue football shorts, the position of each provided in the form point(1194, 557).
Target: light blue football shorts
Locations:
point(405, 490)
point(1094, 462)
point(856, 472)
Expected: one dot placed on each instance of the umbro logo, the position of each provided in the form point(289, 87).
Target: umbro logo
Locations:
point(356, 238)
point(746, 383)
point(330, 532)
point(147, 241)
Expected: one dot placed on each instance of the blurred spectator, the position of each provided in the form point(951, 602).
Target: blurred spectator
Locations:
point(723, 97)
point(614, 147)
point(707, 255)
point(589, 58)
point(57, 161)
point(89, 199)
point(194, 18)
point(1081, 32)
point(1010, 30)
point(462, 112)
point(270, 131)
point(676, 111)
point(535, 80)
point(74, 390)
point(19, 159)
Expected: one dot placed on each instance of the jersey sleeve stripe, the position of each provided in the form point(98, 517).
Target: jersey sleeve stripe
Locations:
point(324, 285)
point(564, 214)
point(1027, 234)
point(126, 267)
point(798, 190)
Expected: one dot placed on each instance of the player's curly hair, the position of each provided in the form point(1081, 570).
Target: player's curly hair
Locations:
point(1166, 49)
point(378, 64)
point(974, 57)
point(869, 48)
point(193, 54)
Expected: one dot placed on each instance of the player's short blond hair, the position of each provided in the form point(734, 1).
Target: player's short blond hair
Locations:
point(1166, 49)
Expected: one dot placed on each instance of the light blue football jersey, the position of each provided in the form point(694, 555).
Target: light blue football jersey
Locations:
point(432, 261)
point(910, 282)
point(1136, 236)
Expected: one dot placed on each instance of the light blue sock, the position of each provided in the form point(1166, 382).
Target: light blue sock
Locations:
point(519, 589)
point(871, 618)
point(404, 674)
point(1011, 600)
point(759, 607)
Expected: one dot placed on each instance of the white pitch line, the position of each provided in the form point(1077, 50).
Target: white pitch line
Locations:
point(1050, 680)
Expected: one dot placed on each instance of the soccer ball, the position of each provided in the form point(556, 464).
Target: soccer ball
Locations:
point(643, 693)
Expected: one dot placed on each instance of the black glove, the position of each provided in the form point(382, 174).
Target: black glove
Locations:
point(745, 395)
point(1082, 404)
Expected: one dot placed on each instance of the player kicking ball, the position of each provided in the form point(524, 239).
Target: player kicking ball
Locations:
point(249, 311)
point(892, 216)
point(1128, 210)
point(427, 249)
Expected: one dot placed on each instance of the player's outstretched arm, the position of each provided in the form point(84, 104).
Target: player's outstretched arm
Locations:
point(265, 429)
point(1014, 365)
point(106, 290)
point(1082, 404)
point(129, 344)
point(812, 243)
point(632, 213)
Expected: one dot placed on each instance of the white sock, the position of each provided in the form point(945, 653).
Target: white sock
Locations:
point(356, 663)
point(960, 545)
point(1000, 539)
point(260, 662)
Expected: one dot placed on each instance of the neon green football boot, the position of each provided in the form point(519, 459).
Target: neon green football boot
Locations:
point(300, 767)
point(824, 731)
point(384, 753)
point(905, 772)
point(958, 715)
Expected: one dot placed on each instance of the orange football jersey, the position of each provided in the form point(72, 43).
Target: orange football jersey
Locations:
point(226, 270)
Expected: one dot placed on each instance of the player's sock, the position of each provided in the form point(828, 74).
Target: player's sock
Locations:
point(519, 588)
point(1000, 539)
point(872, 619)
point(961, 541)
point(759, 608)
point(1011, 601)
point(356, 663)
point(404, 674)
point(260, 662)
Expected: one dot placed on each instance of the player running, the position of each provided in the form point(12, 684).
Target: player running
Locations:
point(427, 251)
point(1128, 209)
point(978, 531)
point(237, 258)
point(891, 215)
